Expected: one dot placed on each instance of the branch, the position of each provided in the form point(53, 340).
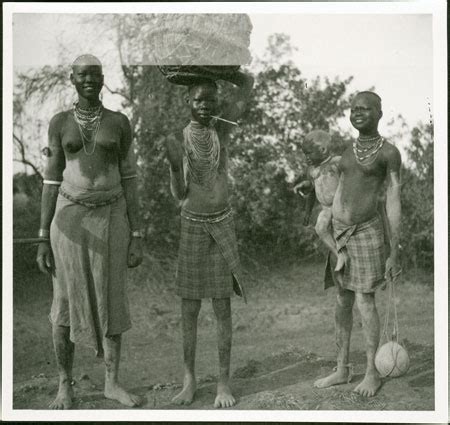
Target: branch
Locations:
point(23, 159)
point(117, 92)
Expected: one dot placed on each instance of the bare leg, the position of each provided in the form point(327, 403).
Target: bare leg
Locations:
point(222, 309)
point(344, 322)
point(371, 327)
point(323, 230)
point(64, 351)
point(189, 316)
point(113, 390)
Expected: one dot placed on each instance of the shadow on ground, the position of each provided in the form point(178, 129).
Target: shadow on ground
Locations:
point(283, 381)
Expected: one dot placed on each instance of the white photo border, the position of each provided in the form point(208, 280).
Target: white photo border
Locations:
point(437, 9)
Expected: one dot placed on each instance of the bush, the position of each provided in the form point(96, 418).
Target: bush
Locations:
point(265, 157)
point(264, 153)
point(26, 217)
point(417, 238)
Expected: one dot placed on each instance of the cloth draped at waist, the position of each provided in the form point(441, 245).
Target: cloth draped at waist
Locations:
point(343, 232)
point(90, 198)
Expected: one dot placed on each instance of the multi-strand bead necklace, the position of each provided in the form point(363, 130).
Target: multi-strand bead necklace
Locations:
point(366, 149)
point(203, 153)
point(88, 121)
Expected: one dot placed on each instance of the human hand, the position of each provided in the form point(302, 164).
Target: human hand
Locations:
point(302, 188)
point(45, 258)
point(135, 254)
point(392, 270)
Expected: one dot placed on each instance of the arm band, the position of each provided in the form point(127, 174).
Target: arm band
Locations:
point(53, 182)
point(44, 234)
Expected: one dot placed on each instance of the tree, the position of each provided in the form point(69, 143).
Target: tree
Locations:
point(418, 200)
point(157, 109)
point(31, 109)
point(265, 154)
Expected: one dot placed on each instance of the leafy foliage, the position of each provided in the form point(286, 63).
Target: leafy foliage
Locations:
point(26, 206)
point(418, 200)
point(265, 156)
point(157, 109)
point(31, 107)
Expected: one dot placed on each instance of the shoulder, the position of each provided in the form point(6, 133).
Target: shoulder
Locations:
point(348, 153)
point(119, 117)
point(58, 120)
point(57, 123)
point(346, 159)
point(348, 148)
point(390, 149)
point(391, 153)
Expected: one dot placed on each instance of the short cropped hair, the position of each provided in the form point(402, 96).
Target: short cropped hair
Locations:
point(318, 137)
point(86, 60)
point(373, 95)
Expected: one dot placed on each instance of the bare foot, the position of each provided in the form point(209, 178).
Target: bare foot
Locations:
point(114, 391)
point(369, 385)
point(341, 261)
point(186, 395)
point(341, 376)
point(224, 397)
point(64, 398)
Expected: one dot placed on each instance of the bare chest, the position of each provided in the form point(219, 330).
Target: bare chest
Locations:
point(75, 139)
point(351, 168)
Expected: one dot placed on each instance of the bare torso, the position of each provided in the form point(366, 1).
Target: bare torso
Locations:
point(207, 200)
point(99, 170)
point(360, 186)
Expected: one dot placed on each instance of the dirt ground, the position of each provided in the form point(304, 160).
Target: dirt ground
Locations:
point(283, 340)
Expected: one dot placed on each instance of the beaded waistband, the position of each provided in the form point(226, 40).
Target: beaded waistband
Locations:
point(214, 217)
point(109, 201)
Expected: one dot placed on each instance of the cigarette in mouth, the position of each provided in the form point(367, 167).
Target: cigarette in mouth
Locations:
point(222, 119)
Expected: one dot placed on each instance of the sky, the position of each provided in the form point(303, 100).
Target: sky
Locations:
point(392, 53)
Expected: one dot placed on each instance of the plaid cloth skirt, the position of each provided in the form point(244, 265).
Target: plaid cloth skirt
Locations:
point(208, 260)
point(365, 248)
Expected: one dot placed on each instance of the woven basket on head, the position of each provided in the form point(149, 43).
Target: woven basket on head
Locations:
point(186, 75)
point(200, 39)
point(188, 47)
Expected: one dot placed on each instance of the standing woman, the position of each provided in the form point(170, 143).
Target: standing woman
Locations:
point(90, 230)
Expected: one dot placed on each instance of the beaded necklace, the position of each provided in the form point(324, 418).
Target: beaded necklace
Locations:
point(88, 121)
point(366, 149)
point(203, 153)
